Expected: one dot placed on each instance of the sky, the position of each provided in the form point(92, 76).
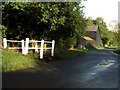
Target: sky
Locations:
point(108, 9)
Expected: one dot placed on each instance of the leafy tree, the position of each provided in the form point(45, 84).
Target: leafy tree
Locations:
point(114, 34)
point(40, 20)
point(89, 21)
point(112, 40)
point(103, 29)
point(102, 26)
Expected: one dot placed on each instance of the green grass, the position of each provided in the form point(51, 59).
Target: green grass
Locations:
point(12, 61)
point(100, 47)
point(117, 51)
point(68, 54)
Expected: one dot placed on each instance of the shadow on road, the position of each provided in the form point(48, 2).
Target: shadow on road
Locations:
point(96, 69)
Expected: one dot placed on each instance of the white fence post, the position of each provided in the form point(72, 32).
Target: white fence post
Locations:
point(41, 50)
point(27, 45)
point(5, 43)
point(36, 46)
point(23, 47)
point(53, 45)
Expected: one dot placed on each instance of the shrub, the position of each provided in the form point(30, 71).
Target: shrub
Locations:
point(117, 51)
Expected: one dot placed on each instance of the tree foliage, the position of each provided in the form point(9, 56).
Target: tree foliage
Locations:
point(114, 34)
point(102, 26)
point(40, 20)
point(90, 21)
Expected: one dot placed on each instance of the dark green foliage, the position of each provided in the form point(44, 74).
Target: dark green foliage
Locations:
point(117, 51)
point(103, 27)
point(51, 20)
point(104, 40)
point(89, 21)
point(114, 36)
point(117, 39)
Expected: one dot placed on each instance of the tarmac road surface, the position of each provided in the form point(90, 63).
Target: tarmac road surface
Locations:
point(96, 69)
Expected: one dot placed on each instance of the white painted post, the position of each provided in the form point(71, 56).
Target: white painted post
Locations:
point(23, 47)
point(53, 45)
point(36, 46)
point(5, 43)
point(41, 49)
point(27, 45)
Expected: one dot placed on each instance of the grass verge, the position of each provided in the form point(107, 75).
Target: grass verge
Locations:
point(117, 51)
point(68, 54)
point(12, 61)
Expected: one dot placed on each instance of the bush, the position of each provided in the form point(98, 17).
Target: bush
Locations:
point(117, 51)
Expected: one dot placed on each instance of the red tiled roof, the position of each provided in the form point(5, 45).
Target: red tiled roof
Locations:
point(88, 38)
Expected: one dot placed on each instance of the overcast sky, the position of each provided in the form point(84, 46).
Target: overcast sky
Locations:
point(108, 9)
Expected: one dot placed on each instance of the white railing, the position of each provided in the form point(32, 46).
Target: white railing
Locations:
point(25, 46)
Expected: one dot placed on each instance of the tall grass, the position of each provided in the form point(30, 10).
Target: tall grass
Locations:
point(16, 61)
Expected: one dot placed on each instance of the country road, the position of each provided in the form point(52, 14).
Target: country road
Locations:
point(96, 69)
